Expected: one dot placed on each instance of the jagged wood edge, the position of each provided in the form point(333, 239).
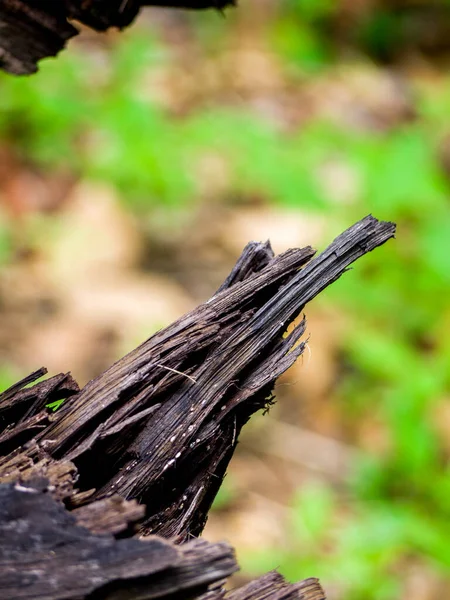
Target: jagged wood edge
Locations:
point(259, 330)
point(34, 29)
point(161, 425)
point(45, 553)
point(48, 553)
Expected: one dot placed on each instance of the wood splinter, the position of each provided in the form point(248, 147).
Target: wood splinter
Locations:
point(143, 449)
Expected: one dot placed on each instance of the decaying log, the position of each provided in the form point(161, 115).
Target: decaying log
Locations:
point(34, 29)
point(45, 553)
point(160, 426)
point(271, 586)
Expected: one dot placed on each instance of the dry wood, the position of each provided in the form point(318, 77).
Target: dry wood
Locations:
point(34, 29)
point(271, 586)
point(45, 554)
point(160, 426)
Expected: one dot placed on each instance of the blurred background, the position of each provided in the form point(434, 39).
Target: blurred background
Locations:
point(134, 169)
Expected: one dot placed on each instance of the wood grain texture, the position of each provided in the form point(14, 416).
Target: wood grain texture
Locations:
point(46, 554)
point(160, 425)
point(143, 447)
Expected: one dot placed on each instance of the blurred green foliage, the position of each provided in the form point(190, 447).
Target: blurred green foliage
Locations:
point(6, 378)
point(99, 121)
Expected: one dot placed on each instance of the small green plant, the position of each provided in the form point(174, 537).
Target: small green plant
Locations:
point(53, 406)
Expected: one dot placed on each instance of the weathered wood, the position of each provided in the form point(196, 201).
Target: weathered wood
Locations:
point(45, 554)
point(161, 425)
point(26, 407)
point(111, 515)
point(34, 29)
point(271, 586)
point(48, 553)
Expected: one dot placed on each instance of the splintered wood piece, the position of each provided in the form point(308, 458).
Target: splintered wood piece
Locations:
point(271, 586)
point(19, 402)
point(160, 426)
point(27, 466)
point(158, 429)
point(111, 515)
point(26, 407)
point(34, 29)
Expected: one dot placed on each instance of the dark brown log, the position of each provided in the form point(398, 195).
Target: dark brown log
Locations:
point(161, 425)
point(45, 554)
point(271, 586)
point(34, 29)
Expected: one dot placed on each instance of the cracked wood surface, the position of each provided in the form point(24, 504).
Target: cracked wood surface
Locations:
point(49, 553)
point(159, 427)
point(46, 554)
